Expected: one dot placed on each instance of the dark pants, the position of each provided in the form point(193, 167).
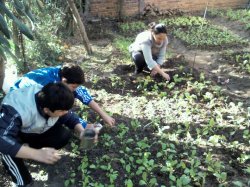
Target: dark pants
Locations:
point(139, 60)
point(56, 137)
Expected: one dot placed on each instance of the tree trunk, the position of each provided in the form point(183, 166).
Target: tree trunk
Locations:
point(120, 9)
point(2, 72)
point(80, 25)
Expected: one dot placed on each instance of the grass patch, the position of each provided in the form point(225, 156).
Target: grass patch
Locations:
point(197, 32)
point(242, 15)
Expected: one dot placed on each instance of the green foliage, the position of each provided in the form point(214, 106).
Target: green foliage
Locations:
point(47, 48)
point(208, 36)
point(122, 44)
point(6, 9)
point(197, 32)
point(239, 59)
point(189, 21)
point(241, 15)
point(132, 27)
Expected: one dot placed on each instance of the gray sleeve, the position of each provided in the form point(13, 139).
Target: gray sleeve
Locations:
point(147, 53)
point(162, 53)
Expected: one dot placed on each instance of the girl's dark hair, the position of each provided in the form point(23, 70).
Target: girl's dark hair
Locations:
point(158, 28)
point(55, 96)
point(73, 73)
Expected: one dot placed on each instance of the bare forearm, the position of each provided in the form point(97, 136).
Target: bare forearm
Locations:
point(157, 69)
point(27, 153)
point(107, 119)
point(94, 106)
point(46, 155)
point(79, 129)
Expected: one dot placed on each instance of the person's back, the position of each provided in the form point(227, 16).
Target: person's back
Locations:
point(41, 76)
point(149, 49)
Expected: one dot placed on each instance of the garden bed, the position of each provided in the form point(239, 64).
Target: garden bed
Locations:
point(191, 131)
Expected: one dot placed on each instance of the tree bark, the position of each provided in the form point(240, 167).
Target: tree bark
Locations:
point(2, 72)
point(120, 9)
point(80, 25)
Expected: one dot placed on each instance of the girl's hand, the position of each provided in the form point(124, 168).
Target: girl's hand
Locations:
point(153, 72)
point(166, 76)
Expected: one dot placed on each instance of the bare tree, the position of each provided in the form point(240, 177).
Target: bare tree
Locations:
point(80, 25)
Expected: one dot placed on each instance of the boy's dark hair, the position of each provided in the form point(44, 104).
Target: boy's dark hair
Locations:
point(73, 73)
point(158, 28)
point(55, 96)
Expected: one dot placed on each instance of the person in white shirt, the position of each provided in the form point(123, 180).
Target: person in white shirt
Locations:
point(149, 49)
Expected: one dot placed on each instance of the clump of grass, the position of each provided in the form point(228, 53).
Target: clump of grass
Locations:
point(122, 44)
point(197, 32)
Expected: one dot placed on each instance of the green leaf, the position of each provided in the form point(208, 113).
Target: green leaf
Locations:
point(142, 182)
point(153, 181)
point(128, 168)
point(66, 183)
point(237, 183)
point(4, 41)
point(4, 27)
point(159, 154)
point(28, 12)
point(129, 183)
point(23, 29)
point(19, 7)
point(185, 179)
point(21, 26)
point(7, 50)
point(144, 176)
point(73, 174)
point(5, 10)
point(2, 54)
point(247, 170)
point(211, 122)
point(92, 166)
point(172, 177)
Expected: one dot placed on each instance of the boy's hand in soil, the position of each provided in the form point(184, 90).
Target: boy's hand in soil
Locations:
point(106, 118)
point(109, 120)
point(49, 155)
